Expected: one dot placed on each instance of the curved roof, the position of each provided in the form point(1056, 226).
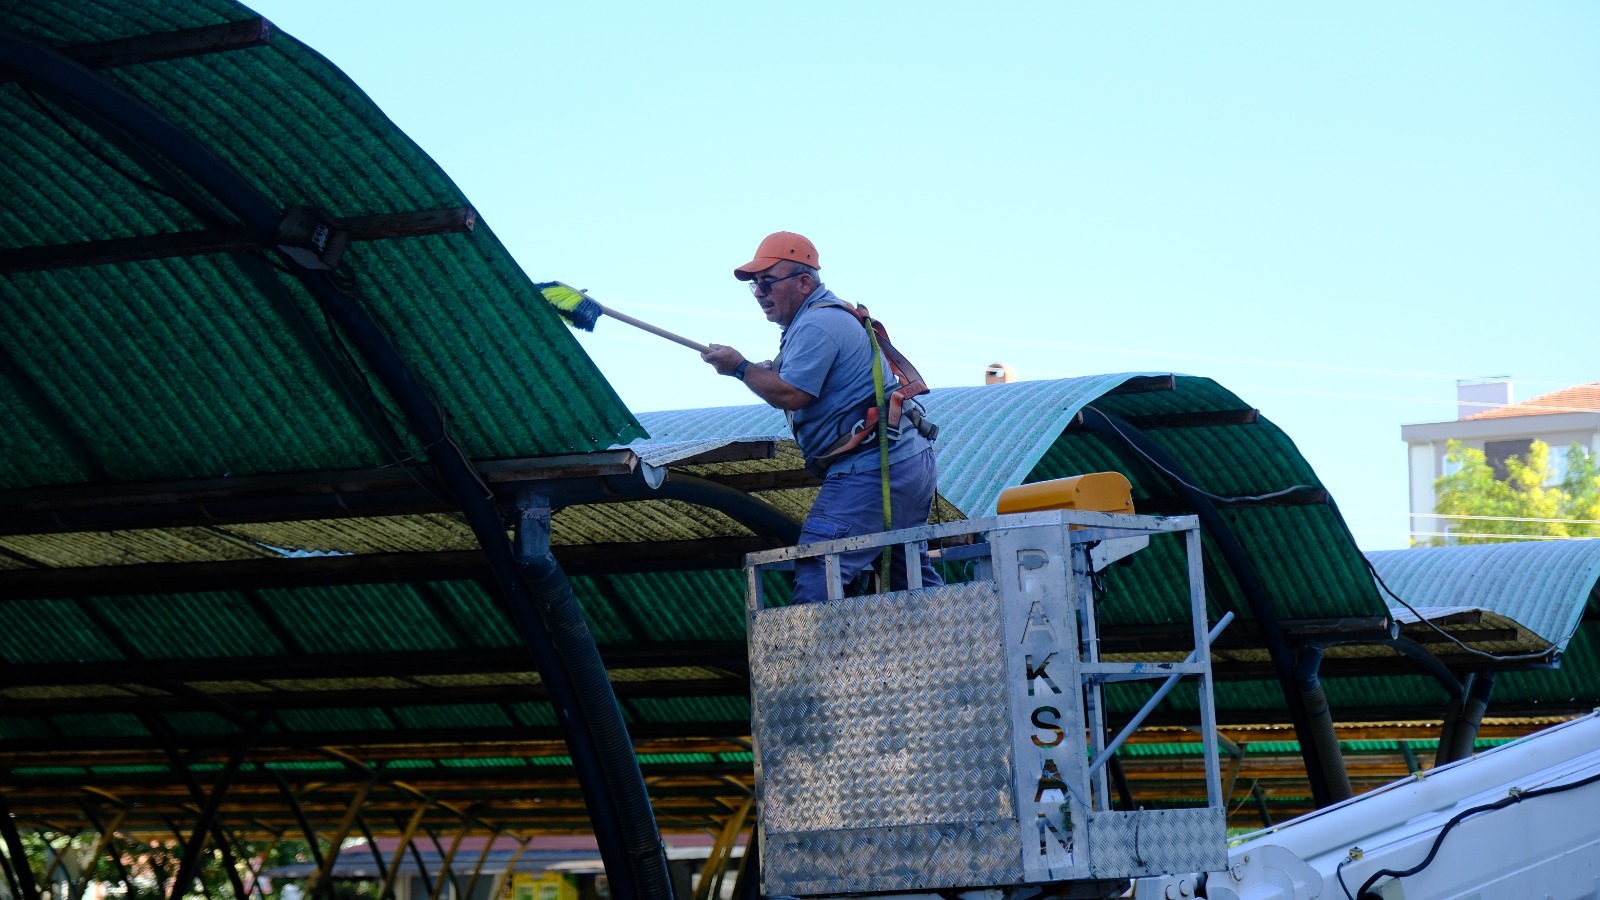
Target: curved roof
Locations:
point(995, 436)
point(1542, 585)
point(149, 336)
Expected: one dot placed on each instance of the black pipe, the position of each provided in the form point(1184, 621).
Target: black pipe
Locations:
point(1309, 660)
point(121, 109)
point(22, 873)
point(1261, 805)
point(754, 513)
point(1447, 679)
point(552, 596)
point(1467, 720)
point(761, 517)
point(1116, 431)
point(747, 884)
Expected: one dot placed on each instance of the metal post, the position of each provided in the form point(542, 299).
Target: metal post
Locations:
point(511, 865)
point(299, 814)
point(316, 882)
point(386, 889)
point(1093, 689)
point(1155, 700)
point(447, 874)
point(472, 881)
point(23, 875)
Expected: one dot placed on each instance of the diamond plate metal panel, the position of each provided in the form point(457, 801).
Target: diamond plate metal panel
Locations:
point(884, 743)
point(1154, 841)
point(914, 857)
point(875, 713)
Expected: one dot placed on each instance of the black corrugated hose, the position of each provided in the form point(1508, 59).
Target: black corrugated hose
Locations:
point(551, 594)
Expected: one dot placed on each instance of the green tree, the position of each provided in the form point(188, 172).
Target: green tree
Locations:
point(1525, 503)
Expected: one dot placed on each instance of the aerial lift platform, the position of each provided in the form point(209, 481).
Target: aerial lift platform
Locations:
point(951, 741)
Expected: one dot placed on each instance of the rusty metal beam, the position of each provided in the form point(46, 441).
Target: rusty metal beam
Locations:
point(223, 240)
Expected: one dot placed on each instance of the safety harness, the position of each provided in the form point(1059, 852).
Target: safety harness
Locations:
point(885, 415)
point(888, 412)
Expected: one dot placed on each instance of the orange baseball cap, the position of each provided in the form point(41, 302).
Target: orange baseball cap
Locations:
point(775, 248)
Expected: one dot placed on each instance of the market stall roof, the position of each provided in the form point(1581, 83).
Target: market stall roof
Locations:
point(221, 543)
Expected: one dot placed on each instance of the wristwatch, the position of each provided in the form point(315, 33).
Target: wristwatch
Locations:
point(739, 372)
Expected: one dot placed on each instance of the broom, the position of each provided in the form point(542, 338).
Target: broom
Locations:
point(582, 312)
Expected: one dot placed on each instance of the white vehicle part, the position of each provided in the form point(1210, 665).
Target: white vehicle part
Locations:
point(1543, 842)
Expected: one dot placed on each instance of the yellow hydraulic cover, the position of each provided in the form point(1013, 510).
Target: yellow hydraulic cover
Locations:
point(1095, 492)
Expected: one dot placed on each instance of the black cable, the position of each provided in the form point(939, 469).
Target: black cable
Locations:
point(1339, 871)
point(1509, 657)
point(92, 151)
point(1515, 796)
point(1219, 498)
point(1215, 498)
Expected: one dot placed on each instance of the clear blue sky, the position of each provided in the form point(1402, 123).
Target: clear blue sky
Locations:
point(1334, 210)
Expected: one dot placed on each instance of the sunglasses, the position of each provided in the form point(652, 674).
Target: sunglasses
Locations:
point(761, 288)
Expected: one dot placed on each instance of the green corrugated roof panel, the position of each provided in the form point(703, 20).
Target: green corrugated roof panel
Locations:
point(219, 365)
point(699, 709)
point(306, 765)
point(335, 720)
point(676, 759)
point(17, 728)
point(991, 437)
point(51, 631)
point(463, 715)
point(360, 618)
point(204, 723)
point(228, 625)
point(663, 606)
point(98, 725)
point(485, 762)
point(533, 715)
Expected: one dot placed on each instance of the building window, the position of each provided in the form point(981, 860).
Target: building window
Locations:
point(1448, 465)
point(1497, 452)
point(1558, 465)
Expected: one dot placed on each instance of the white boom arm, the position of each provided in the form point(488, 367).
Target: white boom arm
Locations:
point(1515, 821)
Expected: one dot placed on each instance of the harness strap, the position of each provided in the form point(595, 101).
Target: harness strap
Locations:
point(882, 409)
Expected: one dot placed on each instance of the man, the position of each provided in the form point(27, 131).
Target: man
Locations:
point(822, 379)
